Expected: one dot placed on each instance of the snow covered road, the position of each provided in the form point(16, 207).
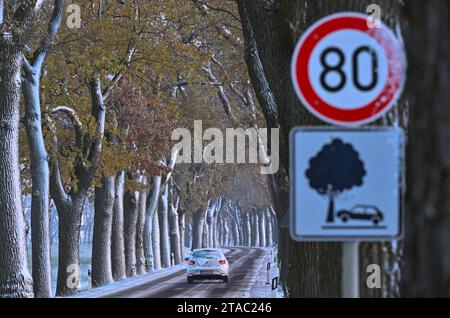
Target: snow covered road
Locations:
point(247, 279)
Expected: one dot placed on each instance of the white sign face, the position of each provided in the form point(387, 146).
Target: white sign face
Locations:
point(346, 184)
point(347, 73)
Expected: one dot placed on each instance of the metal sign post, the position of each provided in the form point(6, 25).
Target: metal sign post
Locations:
point(350, 269)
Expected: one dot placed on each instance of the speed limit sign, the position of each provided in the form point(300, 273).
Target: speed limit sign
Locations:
point(347, 72)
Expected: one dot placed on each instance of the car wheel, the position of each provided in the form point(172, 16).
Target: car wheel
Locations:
point(190, 280)
point(344, 219)
point(376, 221)
point(225, 279)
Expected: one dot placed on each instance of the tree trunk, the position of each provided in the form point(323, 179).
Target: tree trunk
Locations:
point(174, 232)
point(156, 246)
point(205, 238)
point(130, 220)
point(40, 176)
point(215, 231)
point(69, 216)
point(236, 241)
point(152, 205)
point(210, 227)
point(330, 214)
point(188, 233)
point(262, 227)
point(198, 220)
point(275, 227)
point(255, 228)
point(181, 226)
point(269, 233)
point(307, 269)
point(219, 231)
point(163, 211)
point(426, 263)
point(117, 239)
point(140, 256)
point(226, 234)
point(101, 247)
point(15, 278)
point(247, 229)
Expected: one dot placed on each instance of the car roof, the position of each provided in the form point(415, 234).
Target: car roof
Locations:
point(207, 249)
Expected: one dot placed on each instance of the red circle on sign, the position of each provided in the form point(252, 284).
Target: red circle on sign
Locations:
point(365, 113)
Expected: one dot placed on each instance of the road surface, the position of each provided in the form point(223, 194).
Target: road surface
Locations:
point(247, 279)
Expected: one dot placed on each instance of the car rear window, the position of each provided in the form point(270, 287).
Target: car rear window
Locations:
point(206, 254)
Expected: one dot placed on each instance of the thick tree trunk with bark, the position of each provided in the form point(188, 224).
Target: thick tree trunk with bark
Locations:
point(188, 232)
point(426, 264)
point(101, 245)
point(247, 229)
point(198, 225)
point(255, 228)
point(152, 205)
point(182, 226)
point(15, 279)
point(130, 220)
point(235, 228)
point(215, 231)
point(69, 214)
point(219, 231)
point(210, 227)
point(140, 230)
point(117, 239)
point(156, 246)
point(40, 175)
point(174, 230)
point(269, 233)
point(205, 238)
point(307, 269)
point(262, 227)
point(163, 213)
point(226, 234)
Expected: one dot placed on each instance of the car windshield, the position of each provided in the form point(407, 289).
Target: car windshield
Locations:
point(206, 254)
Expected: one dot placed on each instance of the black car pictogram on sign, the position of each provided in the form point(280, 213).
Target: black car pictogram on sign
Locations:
point(361, 212)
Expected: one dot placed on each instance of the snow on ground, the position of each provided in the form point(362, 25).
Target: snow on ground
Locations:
point(129, 282)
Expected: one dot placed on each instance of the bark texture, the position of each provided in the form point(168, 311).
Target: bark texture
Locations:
point(140, 225)
point(69, 245)
point(156, 246)
point(152, 205)
point(198, 221)
point(101, 245)
point(130, 220)
point(15, 279)
point(163, 214)
point(426, 263)
point(117, 236)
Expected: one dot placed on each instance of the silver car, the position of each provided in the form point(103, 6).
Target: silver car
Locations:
point(207, 263)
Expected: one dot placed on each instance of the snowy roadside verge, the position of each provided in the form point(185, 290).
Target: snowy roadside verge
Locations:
point(129, 282)
point(258, 287)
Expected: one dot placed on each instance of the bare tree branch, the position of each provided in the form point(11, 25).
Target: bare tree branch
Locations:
point(78, 126)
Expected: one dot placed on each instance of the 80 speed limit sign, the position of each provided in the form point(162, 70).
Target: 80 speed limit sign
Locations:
point(347, 73)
